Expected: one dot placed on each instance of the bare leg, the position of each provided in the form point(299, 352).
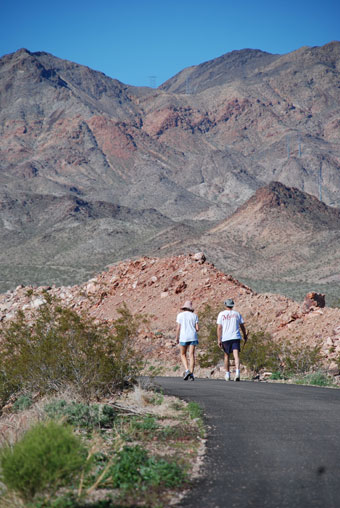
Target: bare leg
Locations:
point(237, 359)
point(192, 358)
point(183, 352)
point(226, 362)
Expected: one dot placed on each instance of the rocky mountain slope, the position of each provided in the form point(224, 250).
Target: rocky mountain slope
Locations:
point(92, 170)
point(158, 287)
point(284, 234)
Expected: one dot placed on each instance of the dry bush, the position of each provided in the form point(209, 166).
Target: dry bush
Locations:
point(60, 348)
point(284, 357)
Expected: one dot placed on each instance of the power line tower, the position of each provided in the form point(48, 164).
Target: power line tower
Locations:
point(152, 81)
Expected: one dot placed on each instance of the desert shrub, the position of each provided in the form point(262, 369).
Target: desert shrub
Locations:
point(47, 457)
point(260, 352)
point(82, 415)
point(210, 353)
point(162, 472)
point(133, 468)
point(157, 399)
point(147, 423)
point(318, 378)
point(276, 376)
point(298, 359)
point(61, 348)
point(284, 358)
point(137, 428)
point(23, 402)
point(194, 410)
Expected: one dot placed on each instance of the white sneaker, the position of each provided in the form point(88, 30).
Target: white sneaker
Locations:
point(237, 377)
point(227, 376)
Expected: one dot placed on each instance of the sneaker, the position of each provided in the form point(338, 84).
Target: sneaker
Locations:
point(237, 377)
point(227, 376)
point(187, 374)
point(192, 377)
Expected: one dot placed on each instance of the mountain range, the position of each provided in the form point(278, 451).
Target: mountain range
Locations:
point(238, 156)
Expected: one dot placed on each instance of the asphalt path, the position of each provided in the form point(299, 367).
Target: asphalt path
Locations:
point(269, 445)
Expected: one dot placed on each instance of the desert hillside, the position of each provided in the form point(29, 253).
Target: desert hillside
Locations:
point(282, 236)
point(158, 287)
point(93, 171)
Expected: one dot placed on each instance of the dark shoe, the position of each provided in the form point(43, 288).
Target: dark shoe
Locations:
point(187, 374)
point(192, 377)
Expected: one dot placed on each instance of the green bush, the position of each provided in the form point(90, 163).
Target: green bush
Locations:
point(159, 471)
point(23, 402)
point(299, 359)
point(276, 376)
point(210, 353)
point(147, 423)
point(47, 457)
point(316, 379)
point(260, 353)
point(61, 348)
point(126, 471)
point(139, 428)
point(82, 415)
point(179, 432)
point(133, 469)
point(284, 358)
point(194, 410)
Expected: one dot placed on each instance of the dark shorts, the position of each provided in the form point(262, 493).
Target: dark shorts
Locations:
point(230, 345)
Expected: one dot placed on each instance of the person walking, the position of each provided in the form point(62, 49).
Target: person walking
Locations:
point(186, 336)
point(230, 324)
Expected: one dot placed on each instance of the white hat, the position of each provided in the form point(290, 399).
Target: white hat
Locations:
point(187, 305)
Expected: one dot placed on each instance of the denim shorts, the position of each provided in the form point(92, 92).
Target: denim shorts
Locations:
point(191, 343)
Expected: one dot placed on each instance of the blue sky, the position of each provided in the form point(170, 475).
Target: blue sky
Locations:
point(133, 40)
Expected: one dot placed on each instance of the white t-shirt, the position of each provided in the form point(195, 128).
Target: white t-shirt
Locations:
point(230, 321)
point(188, 321)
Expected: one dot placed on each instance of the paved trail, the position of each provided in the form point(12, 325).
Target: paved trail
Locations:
point(269, 445)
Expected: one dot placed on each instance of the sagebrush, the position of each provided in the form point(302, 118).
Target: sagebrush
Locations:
point(283, 358)
point(61, 348)
point(81, 415)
